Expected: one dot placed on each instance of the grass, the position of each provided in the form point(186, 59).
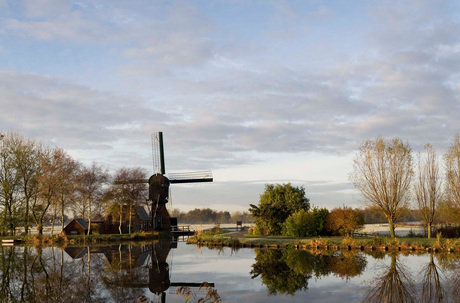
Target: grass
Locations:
point(401, 243)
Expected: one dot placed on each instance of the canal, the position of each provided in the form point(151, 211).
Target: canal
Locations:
point(176, 272)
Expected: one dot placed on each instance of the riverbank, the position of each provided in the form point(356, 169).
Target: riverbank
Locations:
point(64, 240)
point(242, 239)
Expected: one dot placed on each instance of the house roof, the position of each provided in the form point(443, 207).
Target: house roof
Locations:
point(76, 252)
point(80, 221)
point(142, 213)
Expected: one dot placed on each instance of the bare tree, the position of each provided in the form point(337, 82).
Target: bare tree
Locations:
point(428, 187)
point(48, 179)
point(128, 194)
point(382, 172)
point(10, 183)
point(67, 184)
point(65, 190)
point(25, 153)
point(452, 165)
point(91, 181)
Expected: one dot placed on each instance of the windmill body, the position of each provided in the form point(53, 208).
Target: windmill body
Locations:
point(159, 185)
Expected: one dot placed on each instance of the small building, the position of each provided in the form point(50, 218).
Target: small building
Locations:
point(140, 221)
point(76, 226)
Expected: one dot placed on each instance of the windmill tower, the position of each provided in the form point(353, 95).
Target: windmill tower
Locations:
point(159, 184)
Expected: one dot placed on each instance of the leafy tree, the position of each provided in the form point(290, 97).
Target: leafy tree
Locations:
point(306, 223)
point(344, 221)
point(427, 188)
point(382, 172)
point(241, 216)
point(205, 215)
point(223, 217)
point(452, 168)
point(276, 204)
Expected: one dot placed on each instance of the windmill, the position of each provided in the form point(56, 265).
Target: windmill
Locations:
point(159, 184)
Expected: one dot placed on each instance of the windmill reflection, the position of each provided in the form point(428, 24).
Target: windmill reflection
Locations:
point(126, 276)
point(394, 286)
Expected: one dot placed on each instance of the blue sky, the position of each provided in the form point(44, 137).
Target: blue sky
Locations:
point(258, 91)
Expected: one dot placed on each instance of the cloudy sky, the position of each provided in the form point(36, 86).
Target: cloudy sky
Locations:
point(258, 91)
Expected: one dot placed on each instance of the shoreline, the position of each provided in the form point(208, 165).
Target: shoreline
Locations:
point(401, 244)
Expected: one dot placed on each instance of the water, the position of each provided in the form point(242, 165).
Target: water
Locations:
point(156, 272)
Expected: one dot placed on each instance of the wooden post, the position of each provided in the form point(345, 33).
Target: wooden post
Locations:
point(240, 224)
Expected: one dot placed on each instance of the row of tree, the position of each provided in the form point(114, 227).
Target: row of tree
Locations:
point(389, 179)
point(39, 182)
point(207, 215)
point(284, 210)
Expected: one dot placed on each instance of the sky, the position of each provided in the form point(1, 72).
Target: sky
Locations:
point(260, 92)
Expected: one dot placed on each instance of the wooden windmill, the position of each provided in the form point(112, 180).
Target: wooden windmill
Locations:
point(159, 184)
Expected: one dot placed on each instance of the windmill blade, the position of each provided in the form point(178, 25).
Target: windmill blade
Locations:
point(131, 181)
point(158, 153)
point(191, 177)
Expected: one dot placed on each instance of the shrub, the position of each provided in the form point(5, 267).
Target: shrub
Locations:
point(344, 221)
point(305, 223)
point(448, 231)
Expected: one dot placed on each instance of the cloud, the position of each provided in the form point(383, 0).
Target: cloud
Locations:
point(69, 114)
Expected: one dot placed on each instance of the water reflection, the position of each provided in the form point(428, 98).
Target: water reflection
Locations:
point(120, 273)
point(288, 271)
point(143, 273)
point(394, 284)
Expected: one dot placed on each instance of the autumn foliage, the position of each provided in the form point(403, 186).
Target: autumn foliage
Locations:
point(344, 221)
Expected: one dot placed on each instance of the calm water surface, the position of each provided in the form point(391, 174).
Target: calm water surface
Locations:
point(160, 272)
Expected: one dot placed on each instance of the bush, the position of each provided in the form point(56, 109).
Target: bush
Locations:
point(448, 231)
point(305, 223)
point(344, 221)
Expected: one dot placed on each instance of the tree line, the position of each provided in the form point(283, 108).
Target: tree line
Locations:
point(41, 184)
point(284, 210)
point(207, 215)
point(390, 180)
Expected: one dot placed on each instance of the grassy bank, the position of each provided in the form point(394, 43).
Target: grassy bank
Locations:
point(62, 240)
point(335, 243)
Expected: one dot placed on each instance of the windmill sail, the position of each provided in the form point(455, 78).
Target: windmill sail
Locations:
point(158, 153)
point(191, 177)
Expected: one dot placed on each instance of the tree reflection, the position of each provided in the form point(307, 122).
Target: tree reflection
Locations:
point(288, 271)
point(451, 265)
point(432, 290)
point(394, 286)
point(276, 274)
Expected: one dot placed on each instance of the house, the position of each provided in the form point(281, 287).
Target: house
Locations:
point(140, 221)
point(76, 226)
